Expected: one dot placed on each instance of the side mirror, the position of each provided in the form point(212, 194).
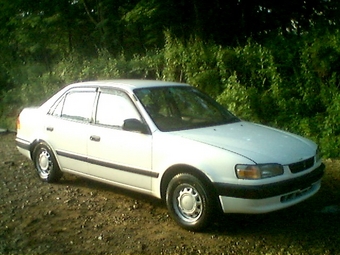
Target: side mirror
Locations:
point(135, 125)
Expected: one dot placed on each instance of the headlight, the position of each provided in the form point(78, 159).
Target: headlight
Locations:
point(253, 172)
point(318, 155)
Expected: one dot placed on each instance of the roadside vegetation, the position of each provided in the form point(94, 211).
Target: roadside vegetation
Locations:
point(285, 76)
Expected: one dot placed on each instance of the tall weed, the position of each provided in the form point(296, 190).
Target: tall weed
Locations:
point(290, 83)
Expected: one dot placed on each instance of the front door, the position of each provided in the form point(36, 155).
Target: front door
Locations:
point(116, 155)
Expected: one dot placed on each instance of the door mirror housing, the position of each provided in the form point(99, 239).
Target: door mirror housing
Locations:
point(135, 125)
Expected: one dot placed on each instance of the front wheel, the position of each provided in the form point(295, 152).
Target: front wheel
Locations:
point(46, 164)
point(189, 202)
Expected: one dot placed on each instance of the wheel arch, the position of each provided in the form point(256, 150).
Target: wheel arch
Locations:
point(52, 172)
point(34, 144)
point(41, 141)
point(182, 168)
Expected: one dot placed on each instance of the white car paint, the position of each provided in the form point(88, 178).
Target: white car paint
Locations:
point(259, 143)
point(145, 158)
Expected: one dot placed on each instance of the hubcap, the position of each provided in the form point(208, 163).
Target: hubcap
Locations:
point(189, 203)
point(44, 162)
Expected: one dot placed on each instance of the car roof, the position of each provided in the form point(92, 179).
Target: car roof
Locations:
point(127, 83)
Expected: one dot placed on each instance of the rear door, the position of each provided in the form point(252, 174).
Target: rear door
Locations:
point(116, 155)
point(67, 128)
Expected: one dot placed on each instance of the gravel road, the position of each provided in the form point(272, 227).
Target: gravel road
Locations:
point(78, 216)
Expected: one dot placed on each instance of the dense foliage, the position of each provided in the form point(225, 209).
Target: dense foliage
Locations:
point(270, 62)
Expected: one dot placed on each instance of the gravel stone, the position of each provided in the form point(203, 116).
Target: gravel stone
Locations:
point(79, 216)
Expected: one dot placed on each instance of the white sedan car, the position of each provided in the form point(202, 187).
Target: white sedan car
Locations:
point(171, 141)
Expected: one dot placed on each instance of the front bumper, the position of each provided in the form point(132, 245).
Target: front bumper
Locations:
point(269, 197)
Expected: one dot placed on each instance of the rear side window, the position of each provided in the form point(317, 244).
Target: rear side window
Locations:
point(75, 105)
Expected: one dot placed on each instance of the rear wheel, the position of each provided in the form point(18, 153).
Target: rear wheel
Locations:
point(46, 164)
point(189, 202)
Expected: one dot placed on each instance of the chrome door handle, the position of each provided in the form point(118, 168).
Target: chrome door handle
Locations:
point(95, 138)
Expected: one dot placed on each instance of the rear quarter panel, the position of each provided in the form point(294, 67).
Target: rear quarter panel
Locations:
point(30, 125)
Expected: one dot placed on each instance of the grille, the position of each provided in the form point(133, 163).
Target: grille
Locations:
point(297, 194)
point(302, 165)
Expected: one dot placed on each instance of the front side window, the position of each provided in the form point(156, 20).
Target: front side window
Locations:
point(114, 107)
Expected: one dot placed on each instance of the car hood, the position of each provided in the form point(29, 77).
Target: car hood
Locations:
point(258, 143)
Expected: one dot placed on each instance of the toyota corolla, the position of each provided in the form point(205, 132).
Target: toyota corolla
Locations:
point(171, 141)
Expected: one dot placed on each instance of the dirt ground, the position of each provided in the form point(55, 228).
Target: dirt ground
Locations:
point(78, 216)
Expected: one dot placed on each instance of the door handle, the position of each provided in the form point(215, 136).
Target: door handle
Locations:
point(50, 129)
point(95, 138)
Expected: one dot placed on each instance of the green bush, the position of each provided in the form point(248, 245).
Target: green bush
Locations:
point(289, 83)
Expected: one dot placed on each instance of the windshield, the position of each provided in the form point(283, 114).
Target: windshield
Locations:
point(179, 108)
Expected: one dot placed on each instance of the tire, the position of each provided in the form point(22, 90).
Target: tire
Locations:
point(190, 202)
point(46, 164)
